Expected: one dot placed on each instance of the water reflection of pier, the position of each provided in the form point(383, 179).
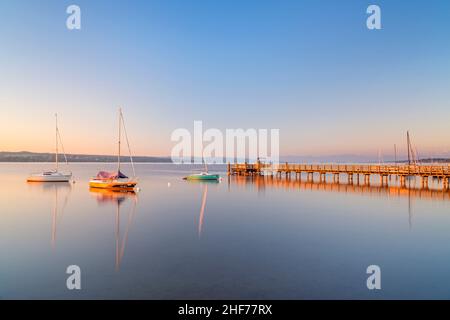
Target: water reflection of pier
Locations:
point(409, 190)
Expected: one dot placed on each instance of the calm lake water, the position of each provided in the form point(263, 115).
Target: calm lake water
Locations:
point(237, 239)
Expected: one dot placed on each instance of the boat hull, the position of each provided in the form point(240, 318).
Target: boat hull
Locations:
point(50, 178)
point(203, 177)
point(113, 185)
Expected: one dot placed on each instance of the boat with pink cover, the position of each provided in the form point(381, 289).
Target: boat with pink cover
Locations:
point(116, 180)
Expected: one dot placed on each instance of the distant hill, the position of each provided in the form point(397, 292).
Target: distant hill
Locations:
point(354, 158)
point(25, 156)
point(434, 160)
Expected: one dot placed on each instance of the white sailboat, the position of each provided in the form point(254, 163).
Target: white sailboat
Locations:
point(53, 175)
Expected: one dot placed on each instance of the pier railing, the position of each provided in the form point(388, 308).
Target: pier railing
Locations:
point(369, 169)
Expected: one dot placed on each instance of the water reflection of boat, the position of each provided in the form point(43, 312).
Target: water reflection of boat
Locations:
point(205, 184)
point(202, 209)
point(57, 186)
point(105, 196)
point(57, 212)
point(50, 186)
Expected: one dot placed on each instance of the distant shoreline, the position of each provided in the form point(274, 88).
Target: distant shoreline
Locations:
point(35, 157)
point(26, 156)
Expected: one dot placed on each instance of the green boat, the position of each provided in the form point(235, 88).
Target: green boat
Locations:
point(205, 175)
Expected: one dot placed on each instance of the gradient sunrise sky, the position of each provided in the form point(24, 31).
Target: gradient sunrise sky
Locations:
point(310, 68)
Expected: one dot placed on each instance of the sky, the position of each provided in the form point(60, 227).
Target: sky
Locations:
point(309, 68)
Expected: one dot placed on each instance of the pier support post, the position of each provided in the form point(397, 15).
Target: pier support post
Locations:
point(228, 169)
point(310, 177)
point(445, 182)
point(402, 181)
point(367, 179)
point(424, 181)
point(336, 177)
point(350, 178)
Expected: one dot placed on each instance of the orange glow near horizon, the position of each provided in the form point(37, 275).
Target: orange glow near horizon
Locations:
point(86, 132)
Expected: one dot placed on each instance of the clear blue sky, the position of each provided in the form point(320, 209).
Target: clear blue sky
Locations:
point(310, 68)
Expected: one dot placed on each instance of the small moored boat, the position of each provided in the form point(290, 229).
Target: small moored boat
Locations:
point(116, 180)
point(113, 181)
point(53, 175)
point(204, 175)
point(49, 176)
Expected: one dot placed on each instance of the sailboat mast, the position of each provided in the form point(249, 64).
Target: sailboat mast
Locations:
point(416, 155)
point(409, 147)
point(395, 153)
point(118, 156)
point(56, 136)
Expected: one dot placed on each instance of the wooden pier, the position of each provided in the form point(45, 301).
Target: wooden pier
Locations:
point(350, 171)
